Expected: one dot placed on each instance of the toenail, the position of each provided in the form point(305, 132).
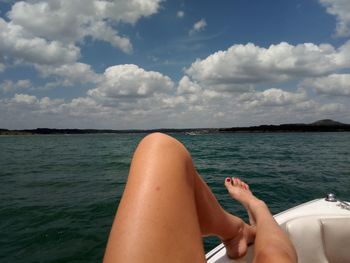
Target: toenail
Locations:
point(228, 180)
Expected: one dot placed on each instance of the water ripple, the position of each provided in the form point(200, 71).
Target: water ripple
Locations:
point(60, 193)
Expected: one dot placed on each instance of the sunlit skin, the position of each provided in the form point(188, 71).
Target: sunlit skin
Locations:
point(166, 209)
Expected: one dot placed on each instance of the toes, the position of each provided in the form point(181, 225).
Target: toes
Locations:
point(228, 182)
point(238, 182)
point(234, 181)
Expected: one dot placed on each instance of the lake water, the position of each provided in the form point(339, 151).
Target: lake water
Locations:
point(59, 194)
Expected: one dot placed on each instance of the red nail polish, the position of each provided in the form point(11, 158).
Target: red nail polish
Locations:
point(228, 180)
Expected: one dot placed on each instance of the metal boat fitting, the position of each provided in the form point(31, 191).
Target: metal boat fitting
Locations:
point(330, 197)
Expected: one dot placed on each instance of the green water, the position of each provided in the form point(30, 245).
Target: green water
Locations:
point(59, 194)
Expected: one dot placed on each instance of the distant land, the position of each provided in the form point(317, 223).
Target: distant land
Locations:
point(326, 125)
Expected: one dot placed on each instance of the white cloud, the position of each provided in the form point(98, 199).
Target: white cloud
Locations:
point(198, 26)
point(25, 111)
point(341, 10)
point(70, 17)
point(276, 97)
point(334, 84)
point(51, 20)
point(180, 14)
point(101, 31)
point(127, 96)
point(83, 107)
point(240, 66)
point(25, 104)
point(70, 74)
point(191, 96)
point(190, 108)
point(125, 10)
point(43, 105)
point(24, 99)
point(15, 42)
point(331, 108)
point(127, 84)
point(47, 32)
point(9, 85)
point(187, 86)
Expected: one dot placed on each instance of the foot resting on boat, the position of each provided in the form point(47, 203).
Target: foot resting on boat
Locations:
point(236, 247)
point(240, 191)
point(271, 243)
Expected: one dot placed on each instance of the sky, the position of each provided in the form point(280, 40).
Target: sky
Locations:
point(144, 64)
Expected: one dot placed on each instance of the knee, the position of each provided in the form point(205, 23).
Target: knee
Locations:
point(162, 141)
point(162, 144)
point(158, 137)
point(165, 156)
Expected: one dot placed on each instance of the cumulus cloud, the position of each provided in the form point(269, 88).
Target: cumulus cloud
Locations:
point(83, 107)
point(198, 26)
point(241, 65)
point(24, 105)
point(34, 102)
point(9, 85)
point(70, 20)
point(180, 14)
point(125, 10)
point(341, 10)
point(127, 96)
point(187, 86)
point(124, 94)
point(70, 74)
point(47, 32)
point(24, 99)
point(14, 41)
point(51, 20)
point(101, 31)
point(334, 84)
point(275, 97)
point(24, 111)
point(129, 83)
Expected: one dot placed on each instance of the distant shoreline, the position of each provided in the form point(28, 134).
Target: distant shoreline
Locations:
point(318, 126)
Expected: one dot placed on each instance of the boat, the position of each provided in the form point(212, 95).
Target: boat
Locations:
point(319, 230)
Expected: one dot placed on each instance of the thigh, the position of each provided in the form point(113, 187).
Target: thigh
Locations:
point(157, 219)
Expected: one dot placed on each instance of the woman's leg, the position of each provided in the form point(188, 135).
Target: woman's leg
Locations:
point(166, 208)
point(271, 243)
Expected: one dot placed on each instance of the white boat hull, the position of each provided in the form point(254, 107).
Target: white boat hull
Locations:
point(305, 218)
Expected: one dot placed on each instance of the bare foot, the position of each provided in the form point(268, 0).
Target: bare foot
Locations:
point(237, 246)
point(240, 191)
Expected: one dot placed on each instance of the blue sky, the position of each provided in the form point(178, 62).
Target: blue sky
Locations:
point(153, 64)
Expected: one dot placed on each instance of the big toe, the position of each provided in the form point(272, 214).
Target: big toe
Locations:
point(228, 183)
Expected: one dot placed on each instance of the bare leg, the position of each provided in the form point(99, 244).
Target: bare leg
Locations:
point(271, 243)
point(166, 208)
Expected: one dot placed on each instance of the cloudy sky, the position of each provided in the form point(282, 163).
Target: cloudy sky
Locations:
point(133, 64)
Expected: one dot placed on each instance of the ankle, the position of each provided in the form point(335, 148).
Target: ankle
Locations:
point(256, 204)
point(236, 229)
